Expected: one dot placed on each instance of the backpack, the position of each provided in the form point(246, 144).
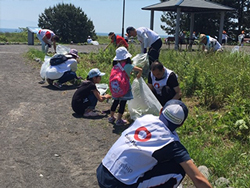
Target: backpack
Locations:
point(58, 59)
point(118, 80)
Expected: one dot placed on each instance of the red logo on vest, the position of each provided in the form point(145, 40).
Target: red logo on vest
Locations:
point(146, 137)
point(157, 85)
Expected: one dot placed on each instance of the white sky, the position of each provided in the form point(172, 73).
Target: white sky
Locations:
point(106, 15)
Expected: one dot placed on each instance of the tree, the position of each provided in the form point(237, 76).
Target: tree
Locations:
point(68, 22)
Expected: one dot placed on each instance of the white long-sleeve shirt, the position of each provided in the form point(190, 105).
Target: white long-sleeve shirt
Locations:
point(146, 37)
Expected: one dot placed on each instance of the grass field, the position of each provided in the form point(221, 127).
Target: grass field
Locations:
point(215, 87)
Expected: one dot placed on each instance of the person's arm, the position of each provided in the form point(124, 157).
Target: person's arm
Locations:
point(177, 93)
point(99, 97)
point(54, 45)
point(172, 82)
point(139, 70)
point(150, 85)
point(195, 175)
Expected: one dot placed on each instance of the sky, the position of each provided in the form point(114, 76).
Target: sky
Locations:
point(106, 15)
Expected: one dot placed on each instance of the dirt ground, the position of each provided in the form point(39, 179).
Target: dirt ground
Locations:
point(43, 144)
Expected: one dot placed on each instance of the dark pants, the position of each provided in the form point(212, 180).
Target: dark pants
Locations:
point(79, 107)
point(67, 76)
point(154, 51)
point(167, 94)
point(161, 170)
point(121, 107)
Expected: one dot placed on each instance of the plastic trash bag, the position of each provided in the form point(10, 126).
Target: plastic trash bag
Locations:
point(94, 42)
point(102, 88)
point(142, 61)
point(60, 49)
point(44, 67)
point(235, 49)
point(144, 101)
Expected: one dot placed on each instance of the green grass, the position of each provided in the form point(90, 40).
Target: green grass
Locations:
point(215, 87)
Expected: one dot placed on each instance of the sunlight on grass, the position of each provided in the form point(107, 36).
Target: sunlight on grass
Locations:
point(215, 87)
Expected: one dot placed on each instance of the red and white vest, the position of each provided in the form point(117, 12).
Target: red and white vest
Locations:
point(159, 84)
point(131, 155)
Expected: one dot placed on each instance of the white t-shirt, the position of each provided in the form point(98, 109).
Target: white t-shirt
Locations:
point(56, 72)
point(212, 43)
point(44, 31)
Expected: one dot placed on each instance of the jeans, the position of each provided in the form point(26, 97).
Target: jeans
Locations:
point(92, 101)
point(67, 76)
point(45, 48)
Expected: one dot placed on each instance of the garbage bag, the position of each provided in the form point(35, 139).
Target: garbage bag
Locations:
point(102, 88)
point(144, 101)
point(235, 49)
point(95, 42)
point(44, 67)
point(60, 49)
point(142, 61)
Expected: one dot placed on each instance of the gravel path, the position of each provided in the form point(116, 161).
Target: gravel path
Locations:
point(42, 143)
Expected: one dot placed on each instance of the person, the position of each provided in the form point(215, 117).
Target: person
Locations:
point(224, 38)
point(191, 40)
point(241, 38)
point(89, 40)
point(86, 96)
point(117, 40)
point(47, 38)
point(210, 43)
point(148, 39)
point(182, 38)
point(163, 83)
point(58, 74)
point(150, 154)
point(122, 55)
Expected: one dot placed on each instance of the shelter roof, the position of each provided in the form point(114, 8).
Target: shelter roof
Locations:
point(188, 6)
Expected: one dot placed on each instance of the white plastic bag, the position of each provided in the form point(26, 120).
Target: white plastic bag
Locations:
point(142, 61)
point(95, 42)
point(44, 67)
point(235, 49)
point(60, 49)
point(102, 88)
point(144, 101)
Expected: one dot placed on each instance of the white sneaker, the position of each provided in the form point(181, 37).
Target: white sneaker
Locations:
point(90, 114)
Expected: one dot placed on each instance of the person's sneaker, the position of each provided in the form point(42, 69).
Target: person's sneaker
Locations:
point(120, 122)
point(112, 119)
point(90, 114)
point(57, 84)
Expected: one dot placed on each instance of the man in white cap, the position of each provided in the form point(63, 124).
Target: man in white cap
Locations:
point(149, 154)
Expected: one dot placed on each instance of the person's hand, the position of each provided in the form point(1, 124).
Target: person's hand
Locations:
point(139, 75)
point(145, 50)
point(107, 96)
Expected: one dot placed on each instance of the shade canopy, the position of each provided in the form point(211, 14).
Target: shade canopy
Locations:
point(188, 6)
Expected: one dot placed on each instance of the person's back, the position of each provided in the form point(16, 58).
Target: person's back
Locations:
point(120, 41)
point(213, 44)
point(149, 154)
